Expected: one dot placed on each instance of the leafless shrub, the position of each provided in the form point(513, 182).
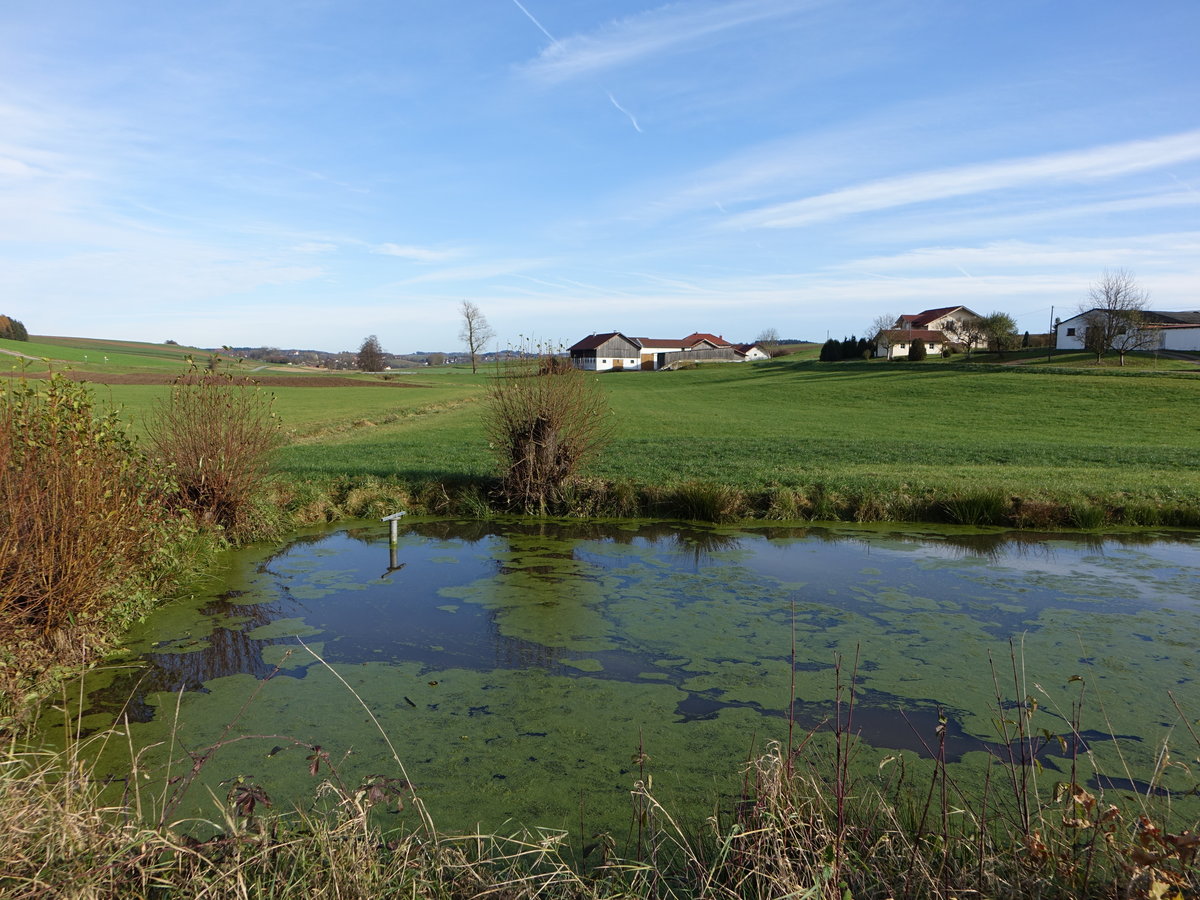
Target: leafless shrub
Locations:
point(544, 422)
point(216, 435)
point(80, 510)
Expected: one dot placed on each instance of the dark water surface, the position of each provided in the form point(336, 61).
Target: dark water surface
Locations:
point(519, 667)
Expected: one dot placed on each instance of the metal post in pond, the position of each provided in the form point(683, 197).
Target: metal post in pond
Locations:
point(394, 521)
point(393, 539)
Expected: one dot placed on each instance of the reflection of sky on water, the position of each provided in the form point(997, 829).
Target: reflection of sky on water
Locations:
point(1157, 569)
point(499, 634)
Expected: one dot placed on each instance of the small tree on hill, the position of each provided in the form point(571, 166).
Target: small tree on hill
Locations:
point(966, 331)
point(1001, 332)
point(475, 331)
point(370, 355)
point(768, 341)
point(916, 350)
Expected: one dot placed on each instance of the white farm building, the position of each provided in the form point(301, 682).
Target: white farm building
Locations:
point(1179, 331)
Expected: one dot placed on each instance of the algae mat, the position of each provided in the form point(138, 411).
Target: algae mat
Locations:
point(528, 674)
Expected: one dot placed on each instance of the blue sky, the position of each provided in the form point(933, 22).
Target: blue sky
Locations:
point(306, 173)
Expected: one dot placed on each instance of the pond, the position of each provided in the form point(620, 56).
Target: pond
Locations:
point(527, 673)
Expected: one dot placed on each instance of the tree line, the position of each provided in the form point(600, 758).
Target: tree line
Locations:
point(12, 330)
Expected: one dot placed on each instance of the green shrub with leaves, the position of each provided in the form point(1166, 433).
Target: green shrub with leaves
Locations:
point(215, 435)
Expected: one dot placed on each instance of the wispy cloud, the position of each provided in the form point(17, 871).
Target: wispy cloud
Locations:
point(1098, 163)
point(477, 272)
point(985, 218)
point(417, 254)
point(14, 168)
point(313, 247)
point(629, 40)
point(1080, 254)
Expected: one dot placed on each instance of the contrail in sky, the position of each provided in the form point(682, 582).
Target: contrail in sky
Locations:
point(542, 28)
point(632, 120)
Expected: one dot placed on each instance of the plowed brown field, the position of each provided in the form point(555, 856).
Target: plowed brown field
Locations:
point(263, 381)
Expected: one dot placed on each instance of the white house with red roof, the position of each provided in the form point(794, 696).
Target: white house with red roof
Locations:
point(613, 351)
point(937, 328)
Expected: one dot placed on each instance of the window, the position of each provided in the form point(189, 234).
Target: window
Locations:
point(1070, 332)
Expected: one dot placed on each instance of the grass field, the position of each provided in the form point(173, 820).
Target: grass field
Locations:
point(1067, 431)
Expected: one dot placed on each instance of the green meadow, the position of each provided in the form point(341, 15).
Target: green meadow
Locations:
point(1065, 431)
point(849, 426)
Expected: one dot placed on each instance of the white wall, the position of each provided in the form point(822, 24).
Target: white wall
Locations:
point(931, 349)
point(1065, 341)
point(1184, 339)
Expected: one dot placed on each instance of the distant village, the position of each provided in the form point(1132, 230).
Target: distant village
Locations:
point(939, 331)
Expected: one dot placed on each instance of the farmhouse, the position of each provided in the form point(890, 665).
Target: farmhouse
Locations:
point(613, 351)
point(1179, 331)
point(897, 342)
point(938, 328)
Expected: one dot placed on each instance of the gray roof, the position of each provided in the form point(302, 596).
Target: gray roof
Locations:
point(1187, 317)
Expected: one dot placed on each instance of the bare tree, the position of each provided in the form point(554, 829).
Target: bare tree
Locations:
point(967, 331)
point(1113, 316)
point(475, 331)
point(878, 326)
point(370, 355)
point(768, 341)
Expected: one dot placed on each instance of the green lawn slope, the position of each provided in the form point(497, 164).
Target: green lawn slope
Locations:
point(943, 428)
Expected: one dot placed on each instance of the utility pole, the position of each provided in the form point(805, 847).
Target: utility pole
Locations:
point(1053, 335)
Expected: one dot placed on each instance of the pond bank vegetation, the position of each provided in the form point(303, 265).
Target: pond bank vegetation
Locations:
point(811, 821)
point(313, 500)
point(95, 530)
